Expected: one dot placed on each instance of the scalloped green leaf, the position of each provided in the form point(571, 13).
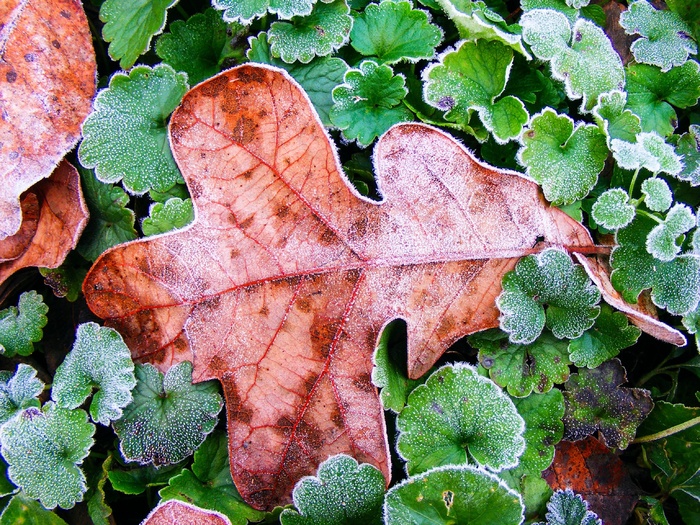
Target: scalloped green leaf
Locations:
point(564, 160)
point(369, 102)
point(596, 401)
point(582, 57)
point(533, 490)
point(664, 240)
point(169, 417)
point(688, 148)
point(549, 278)
point(666, 40)
point(612, 209)
point(208, 483)
point(522, 369)
point(44, 450)
point(319, 34)
point(126, 138)
point(136, 480)
point(453, 494)
point(245, 11)
point(394, 31)
point(567, 508)
point(459, 417)
point(470, 79)
point(616, 121)
point(21, 326)
point(24, 510)
point(649, 151)
point(99, 359)
point(95, 498)
point(66, 281)
point(130, 25)
point(342, 493)
point(172, 214)
point(657, 194)
point(18, 391)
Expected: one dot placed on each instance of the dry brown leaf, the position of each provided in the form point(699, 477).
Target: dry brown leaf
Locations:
point(47, 82)
point(174, 512)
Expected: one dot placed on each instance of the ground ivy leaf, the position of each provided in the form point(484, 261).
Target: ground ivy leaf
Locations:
point(130, 25)
point(649, 151)
point(66, 281)
point(471, 78)
point(198, 46)
point(666, 40)
point(567, 508)
point(319, 34)
point(246, 10)
point(595, 401)
point(582, 57)
point(21, 326)
point(522, 369)
point(688, 148)
point(125, 137)
point(369, 102)
point(663, 241)
point(208, 484)
point(612, 209)
point(99, 358)
point(27, 511)
point(616, 121)
point(18, 391)
point(44, 449)
point(453, 494)
point(650, 93)
point(173, 214)
point(604, 340)
point(548, 278)
point(657, 194)
point(459, 417)
point(564, 160)
point(169, 416)
point(342, 493)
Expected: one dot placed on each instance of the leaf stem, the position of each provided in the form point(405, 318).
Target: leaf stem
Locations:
point(669, 431)
point(633, 181)
point(650, 216)
point(427, 120)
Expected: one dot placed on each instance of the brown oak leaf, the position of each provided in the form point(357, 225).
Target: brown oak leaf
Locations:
point(47, 82)
point(174, 512)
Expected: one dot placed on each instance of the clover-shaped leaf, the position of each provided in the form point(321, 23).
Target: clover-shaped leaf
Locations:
point(522, 369)
point(657, 194)
point(666, 40)
point(564, 160)
point(548, 278)
point(453, 494)
point(688, 148)
point(595, 401)
point(18, 391)
point(650, 151)
point(663, 242)
point(567, 508)
point(616, 121)
point(582, 57)
point(99, 358)
point(169, 416)
point(369, 102)
point(612, 209)
point(44, 449)
point(173, 214)
point(319, 34)
point(394, 31)
point(246, 10)
point(21, 326)
point(342, 493)
point(23, 509)
point(208, 483)
point(131, 116)
point(459, 417)
point(472, 78)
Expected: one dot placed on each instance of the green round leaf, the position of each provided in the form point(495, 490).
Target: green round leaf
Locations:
point(18, 391)
point(688, 148)
point(612, 209)
point(663, 241)
point(21, 326)
point(246, 10)
point(27, 511)
point(173, 214)
point(616, 121)
point(657, 194)
point(567, 508)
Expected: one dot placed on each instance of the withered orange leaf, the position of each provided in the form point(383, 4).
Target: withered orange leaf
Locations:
point(282, 284)
point(56, 213)
point(175, 512)
point(47, 82)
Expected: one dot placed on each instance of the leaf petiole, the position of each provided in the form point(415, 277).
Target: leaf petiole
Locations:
point(428, 120)
point(650, 216)
point(669, 431)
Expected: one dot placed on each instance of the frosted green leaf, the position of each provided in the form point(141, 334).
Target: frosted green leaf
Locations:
point(666, 40)
point(369, 102)
point(562, 6)
point(688, 148)
point(450, 495)
point(577, 4)
point(318, 77)
point(200, 46)
point(549, 278)
point(130, 25)
point(18, 391)
point(44, 449)
point(99, 359)
point(567, 508)
point(96, 499)
point(616, 121)
point(173, 214)
point(208, 483)
point(471, 79)
point(27, 511)
point(651, 93)
point(664, 241)
point(612, 210)
point(21, 326)
point(169, 416)
point(687, 10)
point(649, 151)
point(604, 340)
point(246, 10)
point(179, 190)
point(657, 194)
point(582, 57)
point(66, 281)
point(564, 160)
point(595, 401)
point(319, 34)
point(533, 490)
point(393, 31)
point(342, 493)
point(459, 417)
point(129, 480)
point(126, 138)
point(522, 369)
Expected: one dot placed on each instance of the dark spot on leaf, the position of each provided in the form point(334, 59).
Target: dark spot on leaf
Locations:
point(322, 334)
point(30, 57)
point(264, 311)
point(359, 227)
point(446, 103)
point(327, 237)
point(247, 222)
point(247, 174)
point(487, 362)
point(212, 303)
point(364, 383)
point(320, 31)
point(284, 422)
point(530, 134)
point(310, 384)
point(578, 36)
point(11, 76)
point(244, 130)
point(215, 86)
point(250, 74)
point(65, 14)
point(304, 305)
point(448, 498)
point(195, 188)
point(13, 155)
point(56, 44)
point(236, 410)
point(436, 408)
point(282, 211)
point(446, 327)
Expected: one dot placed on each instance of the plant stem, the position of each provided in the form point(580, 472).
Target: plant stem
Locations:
point(632, 182)
point(650, 216)
point(669, 431)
